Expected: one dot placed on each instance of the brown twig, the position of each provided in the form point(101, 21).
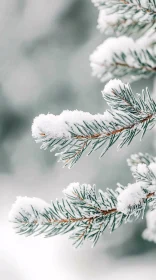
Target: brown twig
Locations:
point(89, 219)
point(116, 131)
point(149, 69)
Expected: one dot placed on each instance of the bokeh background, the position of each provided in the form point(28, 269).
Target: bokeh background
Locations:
point(44, 67)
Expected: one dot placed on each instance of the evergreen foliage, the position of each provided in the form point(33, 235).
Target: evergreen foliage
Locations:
point(84, 213)
point(131, 17)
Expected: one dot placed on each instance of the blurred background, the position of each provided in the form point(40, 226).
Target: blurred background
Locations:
point(44, 67)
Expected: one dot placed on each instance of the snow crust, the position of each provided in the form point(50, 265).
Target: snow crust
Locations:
point(105, 21)
point(23, 205)
point(134, 193)
point(142, 168)
point(60, 126)
point(150, 232)
point(102, 58)
point(148, 39)
point(130, 196)
point(114, 84)
point(152, 167)
point(71, 188)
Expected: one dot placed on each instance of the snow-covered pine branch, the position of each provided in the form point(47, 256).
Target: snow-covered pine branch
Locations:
point(72, 132)
point(146, 172)
point(122, 24)
point(82, 212)
point(123, 57)
point(148, 6)
point(131, 17)
point(143, 167)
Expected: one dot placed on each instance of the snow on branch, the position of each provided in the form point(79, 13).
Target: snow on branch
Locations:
point(72, 132)
point(121, 6)
point(120, 18)
point(122, 57)
point(29, 209)
point(146, 172)
point(148, 40)
point(82, 212)
point(143, 167)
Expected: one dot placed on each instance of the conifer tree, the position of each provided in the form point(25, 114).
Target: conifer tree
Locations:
point(84, 212)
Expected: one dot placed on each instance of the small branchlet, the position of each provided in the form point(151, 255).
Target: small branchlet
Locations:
point(148, 6)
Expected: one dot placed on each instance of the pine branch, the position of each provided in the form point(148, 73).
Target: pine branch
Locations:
point(125, 19)
point(143, 168)
point(122, 57)
point(126, 16)
point(71, 133)
point(82, 212)
point(122, 6)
